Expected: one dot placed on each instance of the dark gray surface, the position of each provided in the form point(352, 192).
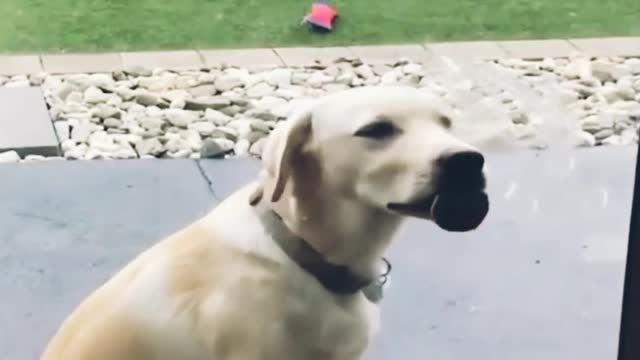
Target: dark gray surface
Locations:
point(66, 226)
point(534, 282)
point(25, 125)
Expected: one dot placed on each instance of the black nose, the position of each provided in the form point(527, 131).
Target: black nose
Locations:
point(462, 163)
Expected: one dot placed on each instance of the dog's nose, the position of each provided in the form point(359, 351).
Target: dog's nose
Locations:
point(462, 163)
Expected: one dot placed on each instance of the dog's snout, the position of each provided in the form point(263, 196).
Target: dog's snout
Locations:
point(462, 163)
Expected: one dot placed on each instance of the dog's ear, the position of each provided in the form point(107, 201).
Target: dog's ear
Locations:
point(286, 141)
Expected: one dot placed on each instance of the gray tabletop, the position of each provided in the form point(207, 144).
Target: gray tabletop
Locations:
point(541, 279)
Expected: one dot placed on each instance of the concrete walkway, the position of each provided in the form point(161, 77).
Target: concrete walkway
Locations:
point(541, 279)
point(425, 53)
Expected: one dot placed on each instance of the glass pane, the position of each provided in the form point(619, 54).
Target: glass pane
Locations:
point(541, 278)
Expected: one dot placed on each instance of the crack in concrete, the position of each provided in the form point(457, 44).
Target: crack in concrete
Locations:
point(207, 180)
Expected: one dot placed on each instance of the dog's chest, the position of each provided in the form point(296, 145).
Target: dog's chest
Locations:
point(289, 323)
point(251, 313)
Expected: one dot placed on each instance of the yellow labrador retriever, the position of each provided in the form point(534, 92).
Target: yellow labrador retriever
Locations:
point(280, 269)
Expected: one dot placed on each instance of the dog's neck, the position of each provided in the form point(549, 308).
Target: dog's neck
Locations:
point(337, 279)
point(350, 234)
point(342, 270)
point(343, 231)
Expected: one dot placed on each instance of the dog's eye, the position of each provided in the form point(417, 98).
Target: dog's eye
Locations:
point(377, 130)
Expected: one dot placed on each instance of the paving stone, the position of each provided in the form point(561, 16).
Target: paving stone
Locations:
point(185, 59)
point(19, 64)
point(617, 46)
point(67, 226)
point(390, 53)
point(241, 57)
point(81, 63)
point(465, 51)
point(25, 125)
point(538, 49)
point(551, 251)
point(303, 56)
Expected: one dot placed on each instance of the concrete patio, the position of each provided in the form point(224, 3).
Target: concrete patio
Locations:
point(298, 56)
point(541, 279)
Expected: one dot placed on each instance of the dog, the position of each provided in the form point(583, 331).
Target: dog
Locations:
point(278, 270)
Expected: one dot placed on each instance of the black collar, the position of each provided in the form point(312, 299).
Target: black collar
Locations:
point(337, 279)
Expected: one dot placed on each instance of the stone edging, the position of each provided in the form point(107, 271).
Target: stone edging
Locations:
point(269, 57)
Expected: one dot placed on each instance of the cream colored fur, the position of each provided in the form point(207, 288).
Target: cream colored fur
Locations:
point(221, 289)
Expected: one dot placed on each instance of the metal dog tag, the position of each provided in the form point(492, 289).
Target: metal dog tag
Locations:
point(375, 291)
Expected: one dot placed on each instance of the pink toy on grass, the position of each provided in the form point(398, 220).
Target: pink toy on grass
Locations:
point(321, 16)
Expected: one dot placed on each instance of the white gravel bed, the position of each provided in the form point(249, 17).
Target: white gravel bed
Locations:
point(228, 112)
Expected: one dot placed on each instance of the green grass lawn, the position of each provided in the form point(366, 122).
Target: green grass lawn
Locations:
point(91, 25)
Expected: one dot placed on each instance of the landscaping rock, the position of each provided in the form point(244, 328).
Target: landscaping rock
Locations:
point(260, 90)
point(212, 149)
point(230, 80)
point(9, 156)
point(62, 129)
point(216, 117)
point(94, 95)
point(280, 77)
point(146, 99)
point(209, 102)
point(180, 118)
point(204, 128)
point(81, 131)
point(138, 71)
point(151, 146)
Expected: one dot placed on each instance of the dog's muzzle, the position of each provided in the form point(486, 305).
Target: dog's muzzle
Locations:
point(460, 202)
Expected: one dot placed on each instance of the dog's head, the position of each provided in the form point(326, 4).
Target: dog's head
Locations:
point(387, 148)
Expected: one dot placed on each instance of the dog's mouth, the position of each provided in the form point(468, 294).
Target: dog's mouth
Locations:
point(452, 211)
